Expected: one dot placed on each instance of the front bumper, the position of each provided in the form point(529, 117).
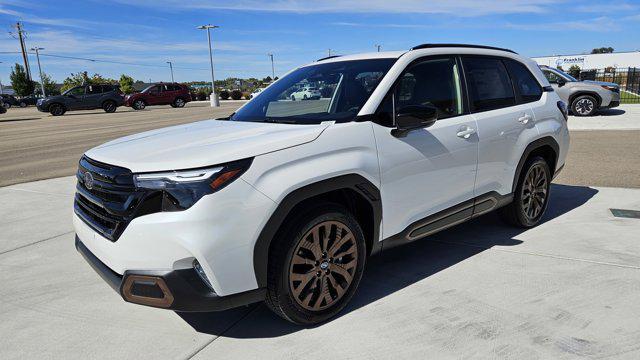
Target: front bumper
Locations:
point(179, 290)
point(42, 107)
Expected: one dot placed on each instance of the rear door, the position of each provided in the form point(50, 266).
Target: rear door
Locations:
point(168, 93)
point(430, 169)
point(92, 97)
point(505, 122)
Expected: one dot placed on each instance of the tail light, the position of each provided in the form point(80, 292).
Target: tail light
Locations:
point(563, 109)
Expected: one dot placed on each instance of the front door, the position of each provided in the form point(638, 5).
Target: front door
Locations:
point(430, 169)
point(155, 95)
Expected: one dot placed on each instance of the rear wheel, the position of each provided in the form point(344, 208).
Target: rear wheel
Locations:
point(109, 106)
point(57, 110)
point(138, 105)
point(584, 105)
point(293, 98)
point(23, 104)
point(6, 105)
point(531, 196)
point(316, 265)
point(179, 102)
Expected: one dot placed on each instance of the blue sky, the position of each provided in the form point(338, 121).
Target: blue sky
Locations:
point(148, 33)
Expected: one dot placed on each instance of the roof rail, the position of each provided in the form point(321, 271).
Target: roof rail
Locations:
point(328, 57)
point(430, 46)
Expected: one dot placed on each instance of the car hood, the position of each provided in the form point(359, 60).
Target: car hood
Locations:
point(201, 144)
point(600, 83)
point(54, 98)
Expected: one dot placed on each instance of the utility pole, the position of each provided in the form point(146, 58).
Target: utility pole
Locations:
point(37, 50)
point(273, 71)
point(329, 52)
point(18, 27)
point(171, 67)
point(213, 99)
point(378, 46)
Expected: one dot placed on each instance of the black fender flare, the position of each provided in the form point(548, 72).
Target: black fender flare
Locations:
point(547, 140)
point(350, 181)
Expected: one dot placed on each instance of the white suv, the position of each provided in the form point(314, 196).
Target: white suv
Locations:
point(284, 201)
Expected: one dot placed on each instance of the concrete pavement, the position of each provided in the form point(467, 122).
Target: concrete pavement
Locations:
point(568, 288)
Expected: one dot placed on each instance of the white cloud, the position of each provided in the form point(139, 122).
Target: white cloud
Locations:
point(459, 7)
point(600, 24)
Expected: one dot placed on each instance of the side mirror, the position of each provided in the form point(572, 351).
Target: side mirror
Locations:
point(414, 117)
point(561, 81)
point(71, 96)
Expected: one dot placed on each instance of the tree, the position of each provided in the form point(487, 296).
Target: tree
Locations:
point(602, 50)
point(50, 86)
point(20, 81)
point(74, 80)
point(574, 71)
point(126, 84)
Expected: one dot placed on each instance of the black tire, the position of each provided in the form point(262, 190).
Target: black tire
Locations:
point(57, 110)
point(584, 105)
point(22, 104)
point(2, 110)
point(179, 103)
point(138, 105)
point(304, 97)
point(517, 213)
point(7, 105)
point(293, 98)
point(280, 296)
point(109, 106)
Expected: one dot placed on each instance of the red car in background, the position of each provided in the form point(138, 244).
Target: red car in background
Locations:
point(174, 94)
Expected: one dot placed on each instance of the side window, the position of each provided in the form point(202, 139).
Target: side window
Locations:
point(527, 86)
point(155, 90)
point(489, 84)
point(553, 78)
point(94, 89)
point(79, 91)
point(434, 82)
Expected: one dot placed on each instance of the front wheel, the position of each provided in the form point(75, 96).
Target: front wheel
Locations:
point(57, 110)
point(7, 105)
point(316, 264)
point(138, 105)
point(23, 104)
point(584, 105)
point(531, 196)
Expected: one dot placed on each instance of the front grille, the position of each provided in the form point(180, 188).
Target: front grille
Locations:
point(109, 203)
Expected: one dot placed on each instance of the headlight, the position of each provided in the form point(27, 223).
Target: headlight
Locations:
point(180, 189)
point(610, 88)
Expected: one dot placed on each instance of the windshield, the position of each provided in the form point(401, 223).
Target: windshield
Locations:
point(564, 74)
point(316, 93)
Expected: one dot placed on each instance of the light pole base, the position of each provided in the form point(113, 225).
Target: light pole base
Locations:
point(215, 101)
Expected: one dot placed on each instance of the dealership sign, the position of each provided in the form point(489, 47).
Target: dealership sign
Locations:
point(570, 60)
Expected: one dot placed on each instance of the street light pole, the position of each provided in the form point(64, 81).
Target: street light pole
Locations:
point(37, 50)
point(171, 67)
point(273, 71)
point(214, 98)
point(378, 46)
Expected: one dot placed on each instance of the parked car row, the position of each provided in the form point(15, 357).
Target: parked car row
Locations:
point(9, 100)
point(109, 97)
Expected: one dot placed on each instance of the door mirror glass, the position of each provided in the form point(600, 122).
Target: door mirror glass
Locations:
point(412, 117)
point(560, 81)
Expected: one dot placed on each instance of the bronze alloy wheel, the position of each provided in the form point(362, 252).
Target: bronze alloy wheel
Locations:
point(534, 191)
point(323, 265)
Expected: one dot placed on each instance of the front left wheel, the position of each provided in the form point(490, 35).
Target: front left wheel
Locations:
point(178, 103)
point(315, 265)
point(109, 106)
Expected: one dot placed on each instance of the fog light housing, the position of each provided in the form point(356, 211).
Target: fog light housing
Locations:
point(200, 271)
point(147, 290)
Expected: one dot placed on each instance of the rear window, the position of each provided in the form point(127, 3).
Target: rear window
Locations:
point(525, 83)
point(489, 84)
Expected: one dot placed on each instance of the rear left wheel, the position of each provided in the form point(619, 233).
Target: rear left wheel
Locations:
point(531, 195)
point(316, 265)
point(109, 106)
point(179, 103)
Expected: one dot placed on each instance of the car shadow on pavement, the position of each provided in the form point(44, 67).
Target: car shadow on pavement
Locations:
point(19, 119)
point(610, 112)
point(397, 268)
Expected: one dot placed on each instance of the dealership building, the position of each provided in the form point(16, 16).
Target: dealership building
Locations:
point(630, 59)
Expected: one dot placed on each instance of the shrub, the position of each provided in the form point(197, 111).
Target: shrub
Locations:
point(224, 95)
point(246, 95)
point(236, 94)
point(202, 95)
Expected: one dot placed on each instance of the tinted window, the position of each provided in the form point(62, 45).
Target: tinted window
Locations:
point(524, 82)
point(489, 84)
point(75, 91)
point(552, 77)
point(434, 82)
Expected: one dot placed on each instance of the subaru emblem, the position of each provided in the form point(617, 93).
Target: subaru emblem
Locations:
point(88, 180)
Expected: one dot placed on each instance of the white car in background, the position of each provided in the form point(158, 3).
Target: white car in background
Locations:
point(306, 93)
point(256, 92)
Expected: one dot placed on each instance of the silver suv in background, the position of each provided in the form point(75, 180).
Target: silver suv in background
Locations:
point(586, 97)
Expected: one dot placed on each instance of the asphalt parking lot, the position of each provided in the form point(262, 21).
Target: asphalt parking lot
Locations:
point(568, 288)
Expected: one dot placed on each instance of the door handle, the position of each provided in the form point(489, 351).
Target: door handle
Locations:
point(524, 119)
point(466, 132)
